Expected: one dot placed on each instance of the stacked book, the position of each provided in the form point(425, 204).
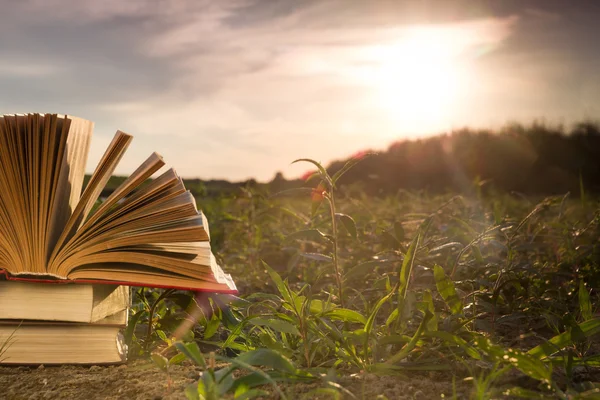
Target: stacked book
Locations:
point(67, 257)
point(58, 324)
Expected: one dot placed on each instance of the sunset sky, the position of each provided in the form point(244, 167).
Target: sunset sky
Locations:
point(239, 89)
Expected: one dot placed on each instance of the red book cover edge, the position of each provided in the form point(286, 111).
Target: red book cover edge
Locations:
point(9, 277)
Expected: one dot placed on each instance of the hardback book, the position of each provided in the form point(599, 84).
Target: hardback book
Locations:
point(67, 303)
point(41, 342)
point(148, 232)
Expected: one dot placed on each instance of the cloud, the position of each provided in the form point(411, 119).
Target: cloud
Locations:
point(15, 69)
point(231, 89)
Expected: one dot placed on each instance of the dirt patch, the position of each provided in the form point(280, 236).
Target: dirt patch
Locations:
point(136, 380)
point(143, 380)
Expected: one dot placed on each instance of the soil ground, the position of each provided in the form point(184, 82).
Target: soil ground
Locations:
point(143, 380)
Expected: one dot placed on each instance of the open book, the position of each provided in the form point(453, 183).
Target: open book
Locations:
point(143, 234)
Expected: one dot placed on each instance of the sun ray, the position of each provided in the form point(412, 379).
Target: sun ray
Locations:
point(417, 80)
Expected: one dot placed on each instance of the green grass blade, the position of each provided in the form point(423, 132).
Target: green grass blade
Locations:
point(449, 338)
point(369, 325)
point(446, 288)
point(559, 342)
point(407, 265)
point(432, 325)
point(410, 346)
point(585, 303)
point(529, 364)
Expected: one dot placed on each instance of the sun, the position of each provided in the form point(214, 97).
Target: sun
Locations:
point(417, 79)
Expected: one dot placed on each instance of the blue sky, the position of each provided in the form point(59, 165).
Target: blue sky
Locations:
point(239, 89)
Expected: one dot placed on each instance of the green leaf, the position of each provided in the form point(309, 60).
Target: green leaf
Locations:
point(314, 235)
point(268, 358)
point(392, 317)
point(585, 304)
point(362, 269)
point(348, 223)
point(318, 306)
point(317, 257)
point(559, 342)
point(270, 341)
point(161, 334)
point(251, 394)
point(432, 325)
point(410, 346)
point(392, 339)
point(445, 287)
point(211, 327)
point(292, 192)
point(177, 359)
point(282, 287)
point(229, 319)
point(322, 171)
point(371, 319)
point(276, 324)
point(530, 365)
point(191, 392)
point(449, 338)
point(345, 315)
point(404, 274)
point(409, 304)
point(160, 361)
point(128, 335)
point(192, 352)
point(224, 379)
point(407, 266)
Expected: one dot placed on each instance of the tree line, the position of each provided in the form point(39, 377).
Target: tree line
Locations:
point(534, 159)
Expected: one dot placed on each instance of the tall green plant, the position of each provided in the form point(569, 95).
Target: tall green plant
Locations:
point(325, 190)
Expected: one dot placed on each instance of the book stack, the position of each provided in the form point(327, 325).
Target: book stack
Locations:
point(63, 249)
point(58, 324)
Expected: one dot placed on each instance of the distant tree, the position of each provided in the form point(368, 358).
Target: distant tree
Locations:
point(535, 159)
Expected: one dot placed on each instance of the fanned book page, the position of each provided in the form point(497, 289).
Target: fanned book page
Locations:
point(141, 235)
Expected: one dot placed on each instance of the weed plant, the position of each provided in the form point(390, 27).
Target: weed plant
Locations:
point(495, 288)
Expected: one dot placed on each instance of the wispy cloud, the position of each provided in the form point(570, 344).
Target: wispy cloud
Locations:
point(230, 88)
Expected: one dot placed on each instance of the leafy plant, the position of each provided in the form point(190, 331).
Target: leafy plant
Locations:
point(489, 286)
point(215, 382)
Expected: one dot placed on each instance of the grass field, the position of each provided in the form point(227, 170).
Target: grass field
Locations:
point(494, 293)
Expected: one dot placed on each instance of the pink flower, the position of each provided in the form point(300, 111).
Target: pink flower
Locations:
point(360, 154)
point(305, 176)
